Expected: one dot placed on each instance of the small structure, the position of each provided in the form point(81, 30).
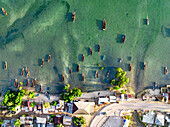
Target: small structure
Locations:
point(67, 120)
point(26, 120)
point(112, 98)
point(159, 120)
point(102, 100)
point(149, 118)
point(41, 122)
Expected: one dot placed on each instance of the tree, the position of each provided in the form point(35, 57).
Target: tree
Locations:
point(60, 125)
point(31, 95)
point(119, 69)
point(116, 88)
point(112, 81)
point(32, 104)
point(79, 120)
point(67, 86)
point(102, 68)
point(1, 122)
point(17, 123)
point(46, 105)
point(77, 92)
point(54, 103)
point(123, 91)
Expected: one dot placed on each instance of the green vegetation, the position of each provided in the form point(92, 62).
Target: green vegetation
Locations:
point(1, 122)
point(127, 117)
point(21, 83)
point(121, 79)
point(70, 94)
point(79, 120)
point(123, 91)
point(52, 116)
point(32, 104)
point(46, 105)
point(13, 98)
point(102, 68)
point(116, 88)
point(54, 103)
point(31, 94)
point(60, 125)
point(17, 123)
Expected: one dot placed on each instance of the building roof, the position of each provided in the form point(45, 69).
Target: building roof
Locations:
point(67, 120)
point(159, 120)
point(40, 120)
point(83, 108)
point(149, 118)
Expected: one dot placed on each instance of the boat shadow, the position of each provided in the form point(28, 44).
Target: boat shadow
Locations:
point(144, 21)
point(68, 17)
point(163, 70)
point(80, 56)
point(39, 62)
point(141, 65)
point(3, 65)
point(96, 47)
point(99, 23)
point(119, 38)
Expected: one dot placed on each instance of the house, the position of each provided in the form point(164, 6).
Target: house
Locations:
point(67, 120)
point(149, 117)
point(26, 120)
point(40, 121)
point(102, 100)
point(112, 98)
point(83, 108)
point(159, 120)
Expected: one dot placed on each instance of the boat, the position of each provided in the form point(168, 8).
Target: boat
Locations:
point(26, 69)
point(147, 21)
point(130, 67)
point(144, 66)
point(166, 70)
point(98, 48)
point(42, 62)
point(63, 78)
point(49, 57)
point(5, 65)
point(83, 57)
point(124, 37)
point(82, 77)
point(4, 12)
point(104, 57)
point(104, 25)
point(70, 71)
point(108, 74)
point(90, 51)
point(73, 16)
point(18, 85)
point(33, 83)
point(97, 74)
point(28, 74)
point(15, 83)
point(120, 60)
point(28, 81)
point(78, 67)
point(22, 72)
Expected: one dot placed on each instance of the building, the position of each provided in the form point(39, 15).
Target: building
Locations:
point(112, 98)
point(26, 120)
point(67, 121)
point(102, 100)
point(149, 117)
point(159, 120)
point(41, 122)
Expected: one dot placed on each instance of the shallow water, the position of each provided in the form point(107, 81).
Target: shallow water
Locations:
point(35, 28)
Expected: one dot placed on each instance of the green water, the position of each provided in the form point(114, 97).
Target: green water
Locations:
point(35, 28)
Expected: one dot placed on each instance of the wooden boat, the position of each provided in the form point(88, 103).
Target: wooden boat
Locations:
point(33, 83)
point(124, 37)
point(82, 77)
point(49, 57)
point(22, 72)
point(144, 66)
point(83, 57)
point(104, 25)
point(147, 21)
point(120, 60)
point(28, 74)
point(130, 67)
point(15, 83)
point(28, 81)
point(63, 78)
point(166, 70)
point(18, 85)
point(78, 67)
point(90, 51)
point(98, 48)
point(73, 16)
point(4, 12)
point(97, 74)
point(42, 62)
point(70, 71)
point(108, 74)
point(5, 65)
point(26, 69)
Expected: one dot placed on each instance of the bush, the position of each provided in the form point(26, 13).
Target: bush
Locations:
point(116, 88)
point(123, 91)
point(1, 122)
point(79, 120)
point(32, 104)
point(67, 86)
point(31, 95)
point(119, 69)
point(54, 103)
point(60, 125)
point(102, 68)
point(17, 123)
point(46, 105)
point(128, 117)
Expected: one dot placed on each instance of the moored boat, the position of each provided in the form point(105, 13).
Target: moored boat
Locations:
point(42, 62)
point(70, 71)
point(166, 70)
point(26, 69)
point(78, 67)
point(28, 81)
point(5, 65)
point(15, 83)
point(63, 78)
point(49, 57)
point(22, 72)
point(108, 74)
point(144, 66)
point(104, 25)
point(97, 74)
point(4, 12)
point(147, 21)
point(123, 39)
point(83, 57)
point(130, 67)
point(73, 16)
point(98, 48)
point(82, 77)
point(90, 51)
point(18, 85)
point(33, 83)
point(28, 74)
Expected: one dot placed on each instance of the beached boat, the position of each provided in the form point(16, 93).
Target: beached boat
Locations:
point(104, 25)
point(4, 12)
point(73, 16)
point(26, 69)
point(130, 67)
point(123, 39)
point(42, 62)
point(97, 74)
point(15, 83)
point(144, 66)
point(120, 60)
point(147, 21)
point(90, 51)
point(166, 70)
point(28, 81)
point(33, 83)
point(78, 67)
point(82, 77)
point(22, 72)
point(18, 85)
point(5, 65)
point(70, 71)
point(83, 57)
point(63, 78)
point(108, 74)
point(98, 48)
point(49, 57)
point(28, 74)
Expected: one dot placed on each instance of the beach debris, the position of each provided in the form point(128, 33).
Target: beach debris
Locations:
point(22, 72)
point(130, 67)
point(49, 57)
point(42, 62)
point(104, 57)
point(97, 74)
point(28, 81)
point(90, 51)
point(166, 70)
point(78, 67)
point(28, 74)
point(73, 16)
point(123, 39)
point(5, 65)
point(15, 82)
point(98, 48)
point(107, 74)
point(147, 21)
point(70, 71)
point(82, 77)
point(4, 12)
point(144, 66)
point(104, 25)
point(63, 78)
point(83, 57)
